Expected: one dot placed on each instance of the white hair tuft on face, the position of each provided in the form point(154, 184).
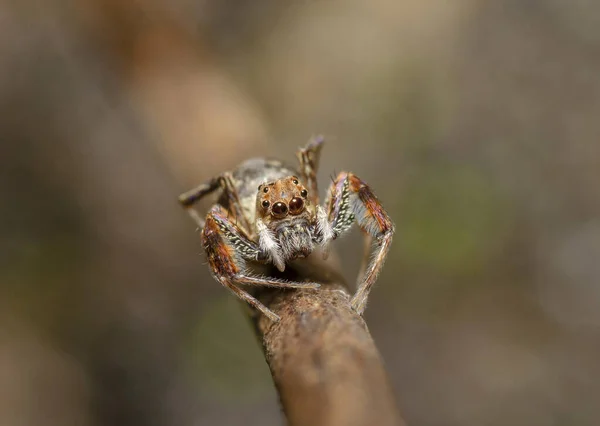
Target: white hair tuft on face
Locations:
point(325, 229)
point(323, 226)
point(267, 242)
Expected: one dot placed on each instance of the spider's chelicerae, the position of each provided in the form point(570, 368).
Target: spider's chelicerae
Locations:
point(269, 213)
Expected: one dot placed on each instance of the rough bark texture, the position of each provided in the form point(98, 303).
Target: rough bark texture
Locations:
point(323, 360)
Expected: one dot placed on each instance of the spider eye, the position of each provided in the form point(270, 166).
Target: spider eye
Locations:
point(266, 203)
point(279, 210)
point(304, 193)
point(296, 205)
point(295, 181)
point(266, 189)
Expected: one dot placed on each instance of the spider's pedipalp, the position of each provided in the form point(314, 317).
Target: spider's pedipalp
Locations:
point(324, 228)
point(324, 231)
point(267, 243)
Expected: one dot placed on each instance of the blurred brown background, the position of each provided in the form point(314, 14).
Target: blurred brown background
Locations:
point(476, 122)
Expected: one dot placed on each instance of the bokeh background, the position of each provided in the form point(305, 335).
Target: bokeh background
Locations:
point(476, 122)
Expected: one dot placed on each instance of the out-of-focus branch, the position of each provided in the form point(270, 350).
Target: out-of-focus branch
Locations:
point(324, 362)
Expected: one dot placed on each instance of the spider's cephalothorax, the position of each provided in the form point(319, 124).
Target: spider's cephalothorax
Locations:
point(269, 213)
point(285, 220)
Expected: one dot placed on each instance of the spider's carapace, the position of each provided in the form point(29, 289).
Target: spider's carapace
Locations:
point(269, 213)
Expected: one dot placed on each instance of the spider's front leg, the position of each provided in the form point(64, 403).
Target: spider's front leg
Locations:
point(351, 199)
point(228, 249)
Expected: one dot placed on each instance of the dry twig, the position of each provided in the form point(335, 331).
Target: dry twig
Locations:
point(324, 362)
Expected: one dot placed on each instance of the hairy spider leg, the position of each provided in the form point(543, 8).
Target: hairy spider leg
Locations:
point(223, 181)
point(367, 247)
point(309, 164)
point(351, 199)
point(189, 198)
point(227, 250)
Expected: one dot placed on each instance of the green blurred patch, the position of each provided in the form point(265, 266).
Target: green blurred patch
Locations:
point(452, 219)
point(40, 281)
point(225, 357)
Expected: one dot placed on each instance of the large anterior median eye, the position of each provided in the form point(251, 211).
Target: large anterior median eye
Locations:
point(296, 205)
point(279, 209)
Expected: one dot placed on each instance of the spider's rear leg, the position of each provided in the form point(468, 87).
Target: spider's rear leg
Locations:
point(309, 164)
point(189, 198)
point(227, 249)
point(223, 181)
point(351, 199)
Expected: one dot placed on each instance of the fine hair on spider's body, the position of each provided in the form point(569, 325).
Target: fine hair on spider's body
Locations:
point(268, 213)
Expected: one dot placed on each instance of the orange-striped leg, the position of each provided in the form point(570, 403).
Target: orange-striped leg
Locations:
point(351, 199)
point(228, 249)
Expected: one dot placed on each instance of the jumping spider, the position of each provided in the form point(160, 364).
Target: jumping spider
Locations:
point(270, 214)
